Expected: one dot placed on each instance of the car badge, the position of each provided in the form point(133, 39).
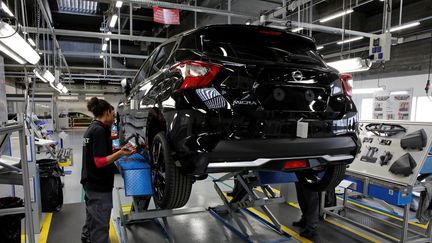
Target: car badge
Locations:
point(297, 76)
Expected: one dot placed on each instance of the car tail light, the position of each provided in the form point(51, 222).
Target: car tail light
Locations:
point(347, 83)
point(343, 85)
point(270, 32)
point(295, 164)
point(197, 74)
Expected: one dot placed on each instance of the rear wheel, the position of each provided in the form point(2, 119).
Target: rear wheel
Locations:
point(332, 176)
point(171, 188)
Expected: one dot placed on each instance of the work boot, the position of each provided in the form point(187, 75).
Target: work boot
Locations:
point(309, 234)
point(301, 223)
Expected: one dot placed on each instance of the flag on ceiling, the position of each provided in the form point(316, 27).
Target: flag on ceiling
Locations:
point(166, 16)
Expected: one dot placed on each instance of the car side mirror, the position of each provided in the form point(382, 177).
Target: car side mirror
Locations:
point(126, 84)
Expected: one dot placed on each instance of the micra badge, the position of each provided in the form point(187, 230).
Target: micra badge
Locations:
point(244, 102)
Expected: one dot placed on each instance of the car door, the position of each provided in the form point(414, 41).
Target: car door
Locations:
point(144, 95)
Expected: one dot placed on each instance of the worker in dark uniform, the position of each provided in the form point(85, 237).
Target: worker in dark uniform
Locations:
point(97, 175)
point(309, 205)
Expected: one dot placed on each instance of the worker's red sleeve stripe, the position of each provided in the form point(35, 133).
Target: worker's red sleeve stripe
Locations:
point(100, 161)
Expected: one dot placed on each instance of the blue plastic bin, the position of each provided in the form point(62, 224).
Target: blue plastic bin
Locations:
point(136, 172)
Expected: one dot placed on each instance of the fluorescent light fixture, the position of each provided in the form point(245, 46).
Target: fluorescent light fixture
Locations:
point(404, 26)
point(48, 76)
point(350, 40)
point(68, 97)
point(11, 54)
point(60, 86)
point(336, 15)
point(30, 40)
point(89, 97)
point(298, 29)
point(351, 65)
point(12, 40)
point(399, 93)
point(320, 47)
point(101, 56)
point(119, 4)
point(38, 75)
point(113, 20)
point(107, 38)
point(104, 46)
point(6, 9)
point(367, 90)
point(64, 90)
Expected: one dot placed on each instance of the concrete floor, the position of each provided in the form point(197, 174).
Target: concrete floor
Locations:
point(200, 227)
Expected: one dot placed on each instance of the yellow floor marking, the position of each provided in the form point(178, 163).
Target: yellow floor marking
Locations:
point(283, 227)
point(367, 237)
point(113, 234)
point(46, 225)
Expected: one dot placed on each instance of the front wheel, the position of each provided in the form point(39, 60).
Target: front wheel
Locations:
point(331, 177)
point(171, 188)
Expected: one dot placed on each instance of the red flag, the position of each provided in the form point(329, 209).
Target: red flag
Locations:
point(166, 16)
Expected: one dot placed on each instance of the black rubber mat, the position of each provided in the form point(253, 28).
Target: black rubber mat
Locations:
point(66, 225)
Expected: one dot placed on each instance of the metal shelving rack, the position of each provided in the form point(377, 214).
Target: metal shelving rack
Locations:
point(23, 172)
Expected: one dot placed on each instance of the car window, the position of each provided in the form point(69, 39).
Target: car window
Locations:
point(262, 45)
point(162, 57)
point(145, 69)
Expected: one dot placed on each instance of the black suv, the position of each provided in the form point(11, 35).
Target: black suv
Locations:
point(231, 98)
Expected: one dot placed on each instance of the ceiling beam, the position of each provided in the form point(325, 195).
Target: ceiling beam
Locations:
point(95, 35)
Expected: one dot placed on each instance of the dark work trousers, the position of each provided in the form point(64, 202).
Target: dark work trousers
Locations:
point(309, 205)
point(98, 214)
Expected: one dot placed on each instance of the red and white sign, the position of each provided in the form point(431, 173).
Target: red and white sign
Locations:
point(166, 16)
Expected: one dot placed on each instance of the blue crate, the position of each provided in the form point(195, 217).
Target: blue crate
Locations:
point(136, 172)
point(276, 177)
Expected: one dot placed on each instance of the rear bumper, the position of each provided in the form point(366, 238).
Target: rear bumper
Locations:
point(271, 154)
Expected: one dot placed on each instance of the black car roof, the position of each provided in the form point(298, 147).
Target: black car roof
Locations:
point(300, 37)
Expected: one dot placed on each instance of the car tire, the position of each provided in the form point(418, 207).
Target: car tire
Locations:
point(333, 175)
point(171, 188)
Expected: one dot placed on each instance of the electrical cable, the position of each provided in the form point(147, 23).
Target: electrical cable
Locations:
point(429, 74)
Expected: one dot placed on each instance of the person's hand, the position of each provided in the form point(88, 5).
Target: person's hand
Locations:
point(127, 150)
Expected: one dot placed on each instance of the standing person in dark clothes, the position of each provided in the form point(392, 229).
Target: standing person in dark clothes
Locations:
point(309, 205)
point(97, 175)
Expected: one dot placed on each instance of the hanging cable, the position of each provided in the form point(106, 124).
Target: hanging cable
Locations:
point(429, 73)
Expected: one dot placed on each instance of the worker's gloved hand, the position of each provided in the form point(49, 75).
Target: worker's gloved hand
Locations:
point(128, 150)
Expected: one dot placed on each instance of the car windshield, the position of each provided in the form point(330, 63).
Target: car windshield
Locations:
point(252, 44)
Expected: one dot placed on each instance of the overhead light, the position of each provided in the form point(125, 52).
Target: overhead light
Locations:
point(350, 40)
point(119, 4)
point(367, 90)
point(60, 86)
point(39, 75)
point(30, 40)
point(399, 93)
point(336, 15)
point(113, 20)
point(64, 90)
point(107, 38)
point(67, 97)
point(12, 40)
point(298, 29)
point(6, 9)
point(247, 23)
point(46, 76)
point(101, 56)
point(351, 65)
point(404, 26)
point(104, 46)
point(11, 54)
point(319, 47)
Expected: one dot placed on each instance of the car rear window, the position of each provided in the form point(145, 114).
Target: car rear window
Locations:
point(259, 44)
